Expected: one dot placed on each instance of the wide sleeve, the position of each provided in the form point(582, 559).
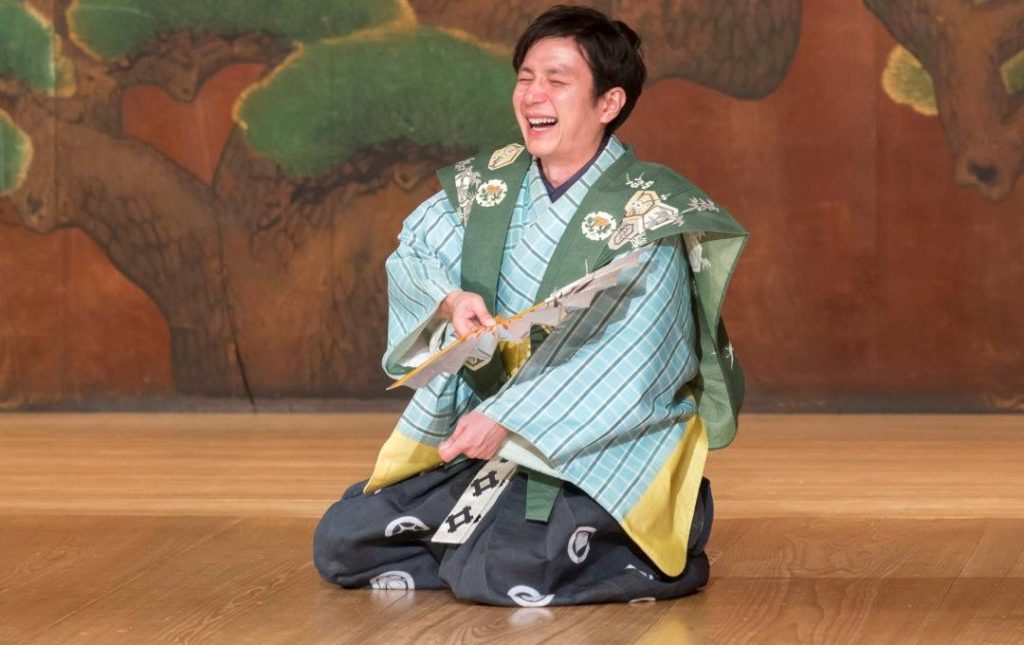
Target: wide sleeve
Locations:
point(421, 272)
point(609, 371)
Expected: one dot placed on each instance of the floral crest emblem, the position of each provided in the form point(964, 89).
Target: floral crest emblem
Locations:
point(491, 193)
point(598, 226)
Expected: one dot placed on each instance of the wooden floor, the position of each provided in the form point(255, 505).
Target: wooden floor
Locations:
point(196, 528)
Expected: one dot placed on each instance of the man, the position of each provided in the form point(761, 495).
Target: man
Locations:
point(568, 469)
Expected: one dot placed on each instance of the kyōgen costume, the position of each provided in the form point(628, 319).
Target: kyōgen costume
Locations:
point(599, 493)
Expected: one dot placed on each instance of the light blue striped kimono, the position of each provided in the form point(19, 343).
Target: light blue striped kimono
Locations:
point(599, 399)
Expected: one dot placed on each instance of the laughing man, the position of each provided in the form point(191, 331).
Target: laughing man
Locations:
point(568, 469)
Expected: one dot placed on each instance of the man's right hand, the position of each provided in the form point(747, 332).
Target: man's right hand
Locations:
point(466, 311)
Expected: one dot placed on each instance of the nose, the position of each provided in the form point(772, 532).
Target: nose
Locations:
point(533, 93)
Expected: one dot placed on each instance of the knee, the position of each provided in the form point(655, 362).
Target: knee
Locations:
point(355, 490)
point(699, 570)
point(703, 516)
point(336, 544)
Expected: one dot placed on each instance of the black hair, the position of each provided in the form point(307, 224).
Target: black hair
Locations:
point(610, 47)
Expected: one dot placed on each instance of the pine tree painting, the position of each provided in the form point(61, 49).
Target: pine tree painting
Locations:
point(270, 275)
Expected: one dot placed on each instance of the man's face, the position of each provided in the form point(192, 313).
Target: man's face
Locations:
point(554, 102)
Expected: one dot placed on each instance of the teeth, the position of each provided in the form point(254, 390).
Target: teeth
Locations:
point(543, 121)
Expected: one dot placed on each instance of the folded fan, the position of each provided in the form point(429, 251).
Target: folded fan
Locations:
point(476, 348)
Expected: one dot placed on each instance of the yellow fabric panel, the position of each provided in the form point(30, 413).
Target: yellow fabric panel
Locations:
point(514, 353)
point(400, 458)
point(660, 521)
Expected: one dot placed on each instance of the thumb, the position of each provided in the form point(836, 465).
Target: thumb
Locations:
point(447, 450)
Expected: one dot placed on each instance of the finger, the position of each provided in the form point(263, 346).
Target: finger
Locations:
point(479, 310)
point(461, 327)
point(465, 320)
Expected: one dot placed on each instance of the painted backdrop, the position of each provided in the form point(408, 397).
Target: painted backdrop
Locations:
point(196, 199)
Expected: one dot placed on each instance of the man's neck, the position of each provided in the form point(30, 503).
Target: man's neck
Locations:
point(554, 192)
point(558, 171)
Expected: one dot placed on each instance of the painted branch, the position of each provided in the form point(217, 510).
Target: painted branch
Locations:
point(157, 224)
point(318, 245)
point(180, 63)
point(742, 48)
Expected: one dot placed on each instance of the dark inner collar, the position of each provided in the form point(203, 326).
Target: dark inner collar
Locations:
point(555, 193)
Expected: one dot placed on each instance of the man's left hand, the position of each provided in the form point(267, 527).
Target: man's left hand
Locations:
point(476, 436)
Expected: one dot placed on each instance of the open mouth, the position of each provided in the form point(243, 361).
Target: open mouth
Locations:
point(540, 125)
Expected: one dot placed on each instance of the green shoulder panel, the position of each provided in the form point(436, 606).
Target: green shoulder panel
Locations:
point(483, 189)
point(635, 204)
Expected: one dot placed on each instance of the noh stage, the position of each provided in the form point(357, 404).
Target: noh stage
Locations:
point(149, 528)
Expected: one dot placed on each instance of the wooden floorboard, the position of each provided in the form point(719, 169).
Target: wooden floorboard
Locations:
point(197, 529)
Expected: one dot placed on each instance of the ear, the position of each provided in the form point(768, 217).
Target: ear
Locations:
point(611, 104)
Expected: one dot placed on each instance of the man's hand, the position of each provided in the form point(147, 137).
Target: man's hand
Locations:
point(476, 436)
point(466, 311)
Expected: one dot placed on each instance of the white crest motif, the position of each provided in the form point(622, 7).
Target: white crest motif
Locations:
point(598, 226)
point(393, 580)
point(638, 182)
point(491, 193)
point(639, 240)
point(529, 597)
point(579, 543)
point(466, 182)
point(701, 205)
point(730, 353)
point(405, 524)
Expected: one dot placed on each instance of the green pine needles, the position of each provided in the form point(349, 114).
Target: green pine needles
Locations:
point(112, 28)
point(336, 98)
point(27, 47)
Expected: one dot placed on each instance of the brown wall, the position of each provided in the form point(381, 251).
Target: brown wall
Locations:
point(872, 280)
point(72, 327)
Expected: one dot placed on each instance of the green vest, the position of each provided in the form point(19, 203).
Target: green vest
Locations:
point(632, 204)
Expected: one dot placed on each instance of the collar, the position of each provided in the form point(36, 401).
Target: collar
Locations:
point(555, 193)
